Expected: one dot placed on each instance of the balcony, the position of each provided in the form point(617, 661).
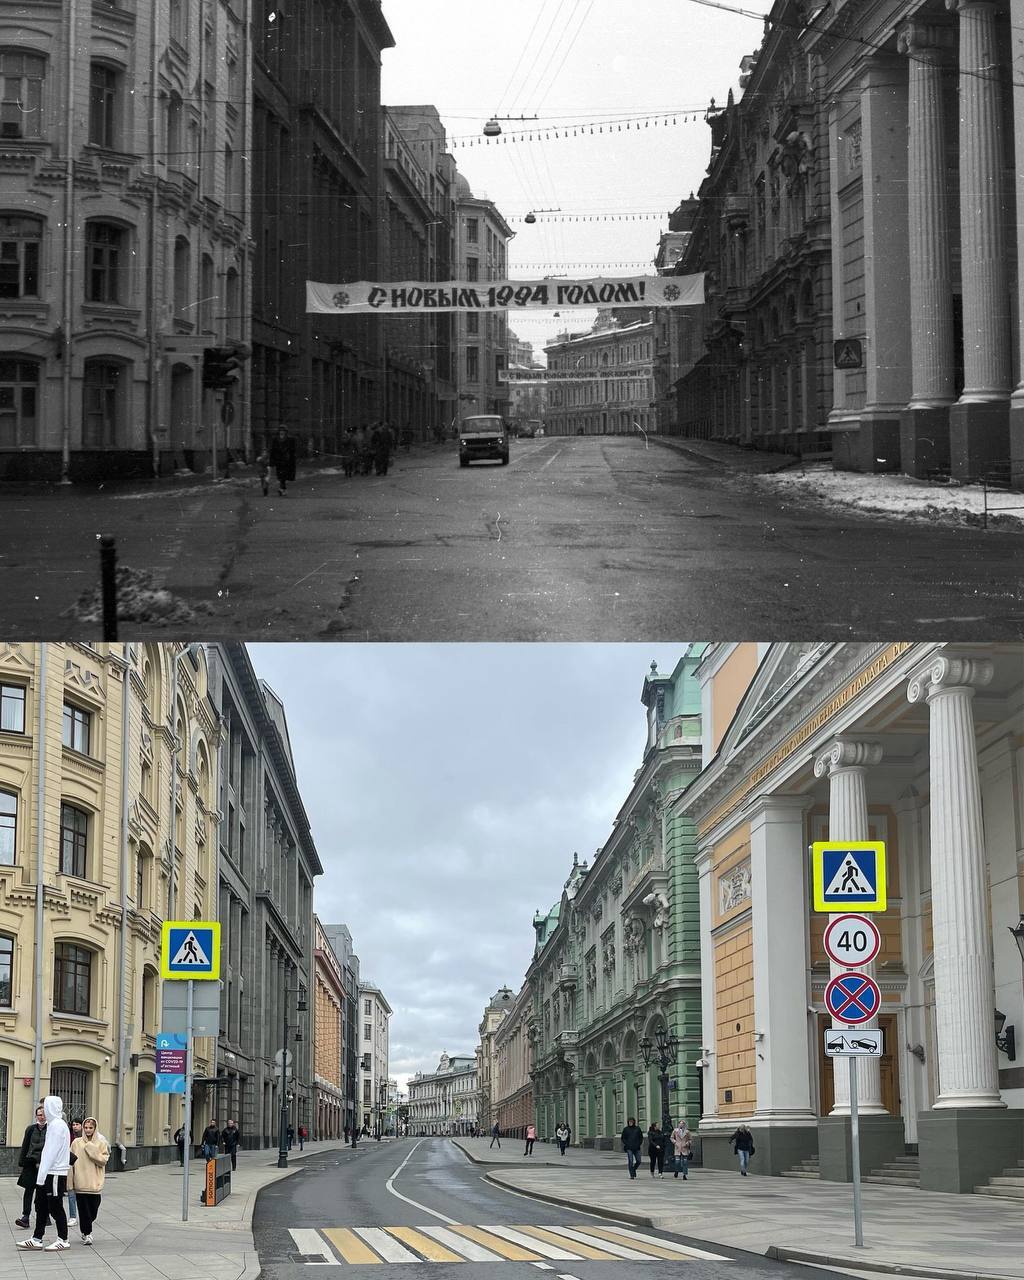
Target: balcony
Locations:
point(566, 1040)
point(568, 977)
point(737, 210)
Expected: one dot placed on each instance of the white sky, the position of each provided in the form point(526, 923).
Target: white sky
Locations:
point(580, 59)
point(447, 787)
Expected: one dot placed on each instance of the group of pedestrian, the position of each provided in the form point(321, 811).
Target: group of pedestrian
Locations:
point(681, 1139)
point(280, 455)
point(212, 1141)
point(303, 1134)
point(57, 1160)
point(366, 449)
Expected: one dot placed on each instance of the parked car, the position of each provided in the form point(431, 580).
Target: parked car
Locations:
point(483, 436)
point(530, 428)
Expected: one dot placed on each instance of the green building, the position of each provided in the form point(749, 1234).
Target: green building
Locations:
point(619, 955)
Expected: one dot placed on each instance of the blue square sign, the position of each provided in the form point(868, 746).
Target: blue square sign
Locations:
point(848, 875)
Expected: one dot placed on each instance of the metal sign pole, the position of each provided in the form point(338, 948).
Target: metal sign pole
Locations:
point(858, 1223)
point(188, 1099)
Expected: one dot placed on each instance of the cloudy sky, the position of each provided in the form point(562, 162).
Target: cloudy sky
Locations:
point(447, 787)
point(582, 63)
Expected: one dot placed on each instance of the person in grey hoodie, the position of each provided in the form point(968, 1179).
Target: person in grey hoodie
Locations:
point(52, 1179)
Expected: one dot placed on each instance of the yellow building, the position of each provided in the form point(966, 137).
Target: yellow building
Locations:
point(98, 745)
point(920, 746)
point(328, 1037)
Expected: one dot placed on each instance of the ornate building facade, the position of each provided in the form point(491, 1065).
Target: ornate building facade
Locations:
point(444, 1101)
point(914, 745)
point(617, 956)
point(511, 1097)
point(607, 386)
point(494, 1016)
point(328, 1038)
point(374, 1023)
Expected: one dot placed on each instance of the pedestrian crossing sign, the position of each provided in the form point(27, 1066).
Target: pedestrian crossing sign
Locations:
point(190, 949)
point(848, 874)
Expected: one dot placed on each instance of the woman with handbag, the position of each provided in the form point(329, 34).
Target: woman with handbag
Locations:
point(682, 1145)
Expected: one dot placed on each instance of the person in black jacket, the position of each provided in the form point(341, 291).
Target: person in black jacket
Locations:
point(282, 457)
point(28, 1163)
point(210, 1140)
point(632, 1143)
point(743, 1144)
point(656, 1149)
point(179, 1142)
point(231, 1137)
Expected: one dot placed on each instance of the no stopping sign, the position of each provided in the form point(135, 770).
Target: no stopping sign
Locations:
point(852, 940)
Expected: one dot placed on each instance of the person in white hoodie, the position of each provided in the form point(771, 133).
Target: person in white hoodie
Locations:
point(52, 1179)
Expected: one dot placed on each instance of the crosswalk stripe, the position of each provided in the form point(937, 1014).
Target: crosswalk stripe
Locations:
point(579, 1250)
point(473, 1252)
point(654, 1248)
point(679, 1250)
point(388, 1248)
point(349, 1245)
point(308, 1241)
point(619, 1250)
point(431, 1249)
point(507, 1250)
point(532, 1240)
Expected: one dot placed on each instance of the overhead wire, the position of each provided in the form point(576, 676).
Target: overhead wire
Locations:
point(553, 52)
point(519, 61)
point(572, 45)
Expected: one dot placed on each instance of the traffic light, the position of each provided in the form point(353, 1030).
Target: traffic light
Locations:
point(222, 365)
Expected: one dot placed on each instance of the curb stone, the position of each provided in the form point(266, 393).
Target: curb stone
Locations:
point(783, 1254)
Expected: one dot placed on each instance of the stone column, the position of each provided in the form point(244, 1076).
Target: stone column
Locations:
point(964, 988)
point(846, 762)
point(924, 441)
point(979, 423)
point(1017, 399)
point(705, 889)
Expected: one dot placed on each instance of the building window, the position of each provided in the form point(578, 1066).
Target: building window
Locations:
point(473, 230)
point(21, 95)
point(6, 976)
point(74, 841)
point(367, 1007)
point(102, 105)
point(77, 728)
point(472, 268)
point(101, 395)
point(5, 1099)
point(8, 827)
point(20, 240)
point(367, 1031)
point(176, 155)
point(207, 298)
point(72, 974)
point(179, 22)
point(104, 252)
point(71, 1084)
point(12, 708)
point(229, 179)
point(233, 328)
point(140, 881)
point(19, 397)
point(182, 263)
point(473, 364)
point(472, 322)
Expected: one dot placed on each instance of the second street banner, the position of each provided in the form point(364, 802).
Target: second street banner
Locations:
point(364, 297)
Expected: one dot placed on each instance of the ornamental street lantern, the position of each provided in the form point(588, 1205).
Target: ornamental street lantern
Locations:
point(663, 1050)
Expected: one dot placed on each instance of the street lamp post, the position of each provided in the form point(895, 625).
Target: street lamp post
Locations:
point(300, 1007)
point(663, 1049)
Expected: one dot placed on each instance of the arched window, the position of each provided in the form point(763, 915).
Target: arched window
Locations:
point(6, 974)
point(19, 401)
point(176, 152)
point(105, 261)
point(182, 270)
point(21, 239)
point(72, 980)
point(74, 841)
point(21, 93)
point(104, 102)
point(8, 828)
point(232, 304)
point(207, 296)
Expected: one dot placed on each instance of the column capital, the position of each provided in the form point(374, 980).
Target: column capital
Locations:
point(958, 6)
point(847, 753)
point(926, 41)
point(946, 672)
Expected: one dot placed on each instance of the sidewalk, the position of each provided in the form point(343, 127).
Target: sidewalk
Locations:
point(730, 457)
point(913, 1232)
point(139, 1233)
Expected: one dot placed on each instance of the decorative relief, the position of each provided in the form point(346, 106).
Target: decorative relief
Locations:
point(608, 953)
point(590, 964)
point(659, 905)
point(734, 887)
point(633, 938)
point(852, 145)
point(597, 910)
point(616, 883)
point(84, 679)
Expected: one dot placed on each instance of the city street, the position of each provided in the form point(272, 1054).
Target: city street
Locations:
point(576, 539)
point(421, 1200)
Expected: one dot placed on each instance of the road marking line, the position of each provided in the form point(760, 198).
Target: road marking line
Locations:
point(687, 1251)
point(492, 1241)
point(578, 1250)
point(619, 1250)
point(531, 1239)
point(431, 1249)
point(552, 458)
point(349, 1245)
point(653, 1247)
point(390, 1185)
point(474, 1252)
point(389, 1249)
point(564, 1277)
point(309, 1242)
point(542, 1266)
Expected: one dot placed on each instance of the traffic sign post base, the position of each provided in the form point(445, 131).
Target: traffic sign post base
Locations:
point(882, 1138)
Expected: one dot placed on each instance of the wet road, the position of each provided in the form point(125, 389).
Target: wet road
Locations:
point(577, 539)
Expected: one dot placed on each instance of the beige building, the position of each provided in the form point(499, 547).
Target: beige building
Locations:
point(99, 746)
point(494, 1015)
point(512, 1083)
point(328, 1037)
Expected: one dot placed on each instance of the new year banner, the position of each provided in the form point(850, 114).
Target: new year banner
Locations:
point(364, 297)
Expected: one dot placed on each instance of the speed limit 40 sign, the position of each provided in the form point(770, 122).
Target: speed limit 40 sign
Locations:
point(852, 940)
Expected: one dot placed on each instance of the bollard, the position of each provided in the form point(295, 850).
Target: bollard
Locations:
point(108, 585)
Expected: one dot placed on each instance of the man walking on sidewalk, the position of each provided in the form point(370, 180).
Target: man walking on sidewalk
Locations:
point(28, 1163)
point(52, 1179)
point(231, 1137)
point(632, 1144)
point(495, 1136)
point(531, 1138)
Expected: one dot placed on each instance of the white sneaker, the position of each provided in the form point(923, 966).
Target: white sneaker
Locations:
point(30, 1243)
point(57, 1245)
point(86, 1239)
point(72, 1221)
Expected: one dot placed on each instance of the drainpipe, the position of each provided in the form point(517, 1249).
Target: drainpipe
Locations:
point(40, 861)
point(171, 895)
point(122, 946)
point(69, 245)
point(245, 281)
point(152, 320)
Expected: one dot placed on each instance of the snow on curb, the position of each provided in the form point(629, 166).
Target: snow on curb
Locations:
point(900, 497)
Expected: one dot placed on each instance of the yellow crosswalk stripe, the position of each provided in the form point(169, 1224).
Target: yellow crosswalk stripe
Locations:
point(584, 1250)
point(644, 1245)
point(430, 1249)
point(514, 1252)
point(348, 1244)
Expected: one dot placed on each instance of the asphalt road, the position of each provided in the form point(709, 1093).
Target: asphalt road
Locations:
point(576, 539)
point(356, 1209)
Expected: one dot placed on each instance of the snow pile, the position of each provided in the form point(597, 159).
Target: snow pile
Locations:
point(139, 599)
point(900, 497)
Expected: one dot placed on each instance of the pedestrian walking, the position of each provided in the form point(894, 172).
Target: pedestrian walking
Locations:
point(90, 1152)
point(531, 1138)
point(349, 453)
point(632, 1143)
point(231, 1137)
point(76, 1132)
point(210, 1140)
point(656, 1149)
point(743, 1144)
point(562, 1135)
point(291, 1136)
point(179, 1142)
point(28, 1163)
point(495, 1136)
point(682, 1147)
point(347, 1132)
point(282, 457)
point(303, 1135)
point(52, 1179)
